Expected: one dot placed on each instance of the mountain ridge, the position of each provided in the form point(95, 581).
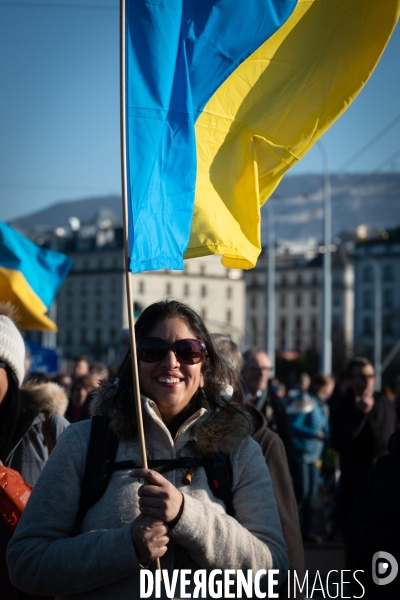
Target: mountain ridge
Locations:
point(369, 198)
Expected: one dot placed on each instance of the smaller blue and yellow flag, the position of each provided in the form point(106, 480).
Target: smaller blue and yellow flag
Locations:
point(30, 277)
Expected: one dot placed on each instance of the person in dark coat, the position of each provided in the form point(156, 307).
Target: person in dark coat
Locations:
point(255, 375)
point(275, 456)
point(375, 524)
point(31, 422)
point(361, 422)
point(276, 459)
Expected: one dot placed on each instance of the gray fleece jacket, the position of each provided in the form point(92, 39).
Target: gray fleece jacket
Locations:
point(100, 562)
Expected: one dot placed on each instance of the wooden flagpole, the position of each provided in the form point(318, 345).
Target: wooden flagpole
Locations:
point(128, 276)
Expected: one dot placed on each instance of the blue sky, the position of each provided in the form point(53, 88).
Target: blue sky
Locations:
point(59, 106)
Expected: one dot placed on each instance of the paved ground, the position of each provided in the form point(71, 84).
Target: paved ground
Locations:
point(323, 558)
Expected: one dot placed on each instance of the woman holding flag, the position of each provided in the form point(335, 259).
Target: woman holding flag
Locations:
point(175, 516)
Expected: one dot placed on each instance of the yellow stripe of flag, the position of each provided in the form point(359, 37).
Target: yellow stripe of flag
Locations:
point(31, 310)
point(272, 109)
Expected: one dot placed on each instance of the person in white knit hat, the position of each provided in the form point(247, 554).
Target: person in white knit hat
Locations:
point(31, 421)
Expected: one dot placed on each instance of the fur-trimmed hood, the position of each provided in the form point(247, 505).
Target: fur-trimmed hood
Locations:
point(221, 430)
point(48, 397)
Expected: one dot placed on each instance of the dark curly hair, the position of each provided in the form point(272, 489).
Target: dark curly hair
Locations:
point(215, 369)
point(15, 412)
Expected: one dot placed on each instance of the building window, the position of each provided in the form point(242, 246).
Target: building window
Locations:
point(203, 291)
point(85, 264)
point(112, 311)
point(68, 337)
point(168, 289)
point(141, 287)
point(113, 336)
point(100, 264)
point(70, 289)
point(97, 337)
point(68, 313)
point(203, 313)
point(297, 334)
point(229, 293)
point(202, 269)
point(83, 339)
point(367, 274)
point(388, 273)
point(83, 311)
point(137, 309)
point(83, 287)
point(367, 326)
point(284, 281)
point(387, 325)
point(98, 311)
point(313, 323)
point(314, 299)
point(229, 316)
point(368, 299)
point(283, 300)
point(282, 333)
point(253, 327)
point(115, 262)
point(299, 280)
point(314, 279)
point(298, 299)
point(98, 285)
point(253, 301)
point(113, 285)
point(388, 298)
point(186, 289)
point(336, 299)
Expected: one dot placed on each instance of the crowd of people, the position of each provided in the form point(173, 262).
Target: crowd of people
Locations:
point(201, 397)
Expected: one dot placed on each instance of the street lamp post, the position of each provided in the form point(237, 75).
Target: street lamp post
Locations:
point(271, 287)
point(377, 323)
point(326, 350)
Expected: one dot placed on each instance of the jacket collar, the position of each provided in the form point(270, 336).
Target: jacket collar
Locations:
point(212, 431)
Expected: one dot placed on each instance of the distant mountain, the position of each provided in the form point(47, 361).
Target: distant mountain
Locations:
point(372, 199)
point(57, 214)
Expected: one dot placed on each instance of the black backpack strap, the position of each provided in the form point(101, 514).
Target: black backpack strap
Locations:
point(100, 464)
point(220, 479)
point(218, 470)
point(100, 458)
point(164, 465)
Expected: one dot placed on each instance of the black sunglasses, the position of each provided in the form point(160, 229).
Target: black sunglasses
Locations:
point(153, 349)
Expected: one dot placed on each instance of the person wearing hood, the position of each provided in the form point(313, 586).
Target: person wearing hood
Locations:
point(186, 526)
point(31, 420)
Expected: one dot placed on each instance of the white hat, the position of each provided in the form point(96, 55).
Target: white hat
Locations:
point(12, 347)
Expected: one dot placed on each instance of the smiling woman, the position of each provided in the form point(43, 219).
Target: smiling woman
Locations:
point(176, 518)
point(171, 376)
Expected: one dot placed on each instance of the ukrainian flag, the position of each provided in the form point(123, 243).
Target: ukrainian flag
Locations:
point(30, 277)
point(222, 98)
